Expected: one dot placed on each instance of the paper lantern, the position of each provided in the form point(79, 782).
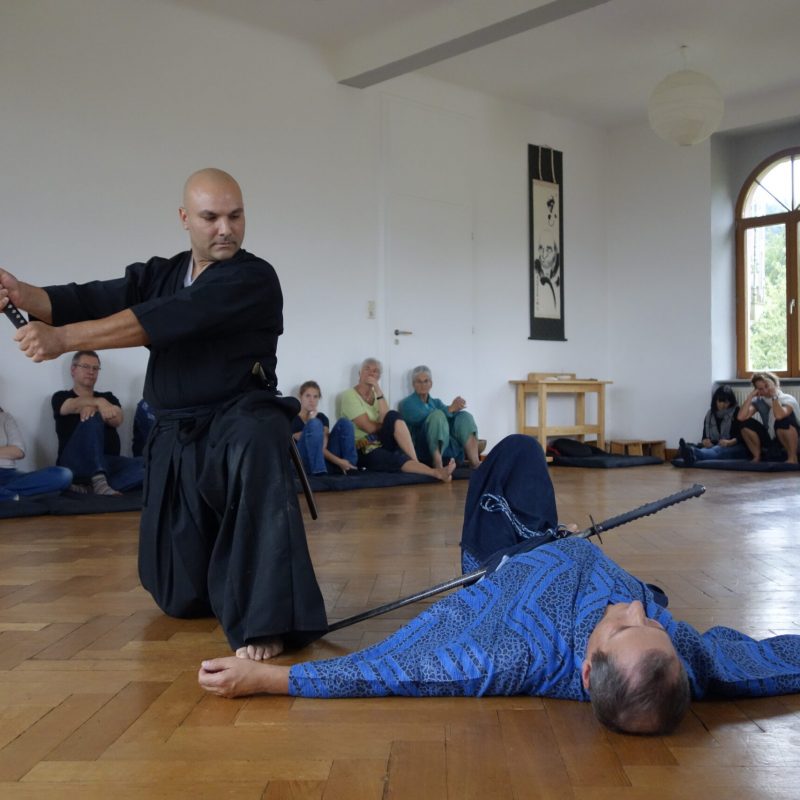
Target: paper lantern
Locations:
point(686, 107)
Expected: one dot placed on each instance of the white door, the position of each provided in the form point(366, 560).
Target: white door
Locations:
point(429, 297)
point(429, 303)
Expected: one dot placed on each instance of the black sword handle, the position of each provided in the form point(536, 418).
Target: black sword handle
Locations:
point(642, 511)
point(15, 315)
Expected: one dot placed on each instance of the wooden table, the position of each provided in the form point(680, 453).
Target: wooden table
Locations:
point(543, 384)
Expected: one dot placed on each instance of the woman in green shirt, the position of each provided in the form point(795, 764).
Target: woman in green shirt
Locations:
point(383, 440)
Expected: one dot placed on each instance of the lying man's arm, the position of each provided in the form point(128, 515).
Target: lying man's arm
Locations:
point(238, 677)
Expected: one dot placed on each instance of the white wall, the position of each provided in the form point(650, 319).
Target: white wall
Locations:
point(724, 192)
point(503, 350)
point(659, 288)
point(108, 105)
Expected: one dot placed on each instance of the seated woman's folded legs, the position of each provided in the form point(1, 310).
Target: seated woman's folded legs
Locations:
point(786, 433)
point(440, 473)
point(309, 445)
point(396, 436)
point(465, 432)
point(342, 444)
point(755, 437)
point(437, 436)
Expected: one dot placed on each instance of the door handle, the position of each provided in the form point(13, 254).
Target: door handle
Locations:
point(398, 332)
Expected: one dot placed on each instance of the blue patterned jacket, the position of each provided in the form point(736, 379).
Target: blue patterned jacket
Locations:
point(524, 630)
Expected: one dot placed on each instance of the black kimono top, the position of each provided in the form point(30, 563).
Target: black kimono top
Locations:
point(204, 338)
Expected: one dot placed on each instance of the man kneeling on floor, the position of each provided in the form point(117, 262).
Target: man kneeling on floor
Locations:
point(561, 620)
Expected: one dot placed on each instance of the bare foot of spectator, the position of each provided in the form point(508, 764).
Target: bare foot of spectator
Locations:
point(445, 473)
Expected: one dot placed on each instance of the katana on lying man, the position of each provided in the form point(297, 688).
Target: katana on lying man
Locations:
point(561, 620)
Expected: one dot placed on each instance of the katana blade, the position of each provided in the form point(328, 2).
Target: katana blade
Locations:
point(471, 577)
point(646, 510)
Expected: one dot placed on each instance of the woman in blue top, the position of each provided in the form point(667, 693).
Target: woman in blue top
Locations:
point(439, 432)
point(316, 442)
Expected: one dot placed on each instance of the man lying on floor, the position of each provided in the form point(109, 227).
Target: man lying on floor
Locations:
point(562, 620)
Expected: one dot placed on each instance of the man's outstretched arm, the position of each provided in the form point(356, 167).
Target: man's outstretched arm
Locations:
point(238, 677)
point(42, 342)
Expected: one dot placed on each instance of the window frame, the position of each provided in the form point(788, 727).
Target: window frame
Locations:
point(791, 222)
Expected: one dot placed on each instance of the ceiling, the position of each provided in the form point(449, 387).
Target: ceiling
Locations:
point(595, 61)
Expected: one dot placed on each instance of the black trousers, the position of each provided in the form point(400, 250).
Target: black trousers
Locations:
point(773, 447)
point(221, 530)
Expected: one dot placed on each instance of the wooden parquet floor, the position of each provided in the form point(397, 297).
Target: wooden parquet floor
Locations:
point(99, 698)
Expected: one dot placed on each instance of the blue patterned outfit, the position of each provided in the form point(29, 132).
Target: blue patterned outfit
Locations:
point(524, 628)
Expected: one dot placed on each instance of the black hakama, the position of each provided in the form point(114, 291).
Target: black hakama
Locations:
point(221, 529)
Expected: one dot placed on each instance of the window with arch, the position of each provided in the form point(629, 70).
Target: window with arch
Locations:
point(767, 221)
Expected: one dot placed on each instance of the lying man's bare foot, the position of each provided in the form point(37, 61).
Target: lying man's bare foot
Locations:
point(237, 677)
point(261, 650)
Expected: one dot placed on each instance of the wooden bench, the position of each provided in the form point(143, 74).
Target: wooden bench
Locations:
point(638, 447)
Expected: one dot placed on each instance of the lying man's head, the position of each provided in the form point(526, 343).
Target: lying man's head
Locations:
point(635, 679)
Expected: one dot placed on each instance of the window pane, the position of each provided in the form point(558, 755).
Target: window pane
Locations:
point(771, 192)
point(765, 263)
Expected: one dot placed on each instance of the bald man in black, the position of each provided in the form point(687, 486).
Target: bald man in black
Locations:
point(221, 531)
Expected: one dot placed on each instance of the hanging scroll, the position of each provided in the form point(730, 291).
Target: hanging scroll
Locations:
point(546, 226)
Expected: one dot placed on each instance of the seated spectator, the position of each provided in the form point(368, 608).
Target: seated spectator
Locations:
point(316, 443)
point(383, 440)
point(143, 420)
point(15, 483)
point(438, 431)
point(88, 442)
point(769, 420)
point(720, 430)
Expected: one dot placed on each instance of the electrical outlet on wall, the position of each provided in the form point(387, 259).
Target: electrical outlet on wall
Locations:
point(371, 309)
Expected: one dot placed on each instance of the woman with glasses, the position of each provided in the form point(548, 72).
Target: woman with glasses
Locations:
point(439, 432)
